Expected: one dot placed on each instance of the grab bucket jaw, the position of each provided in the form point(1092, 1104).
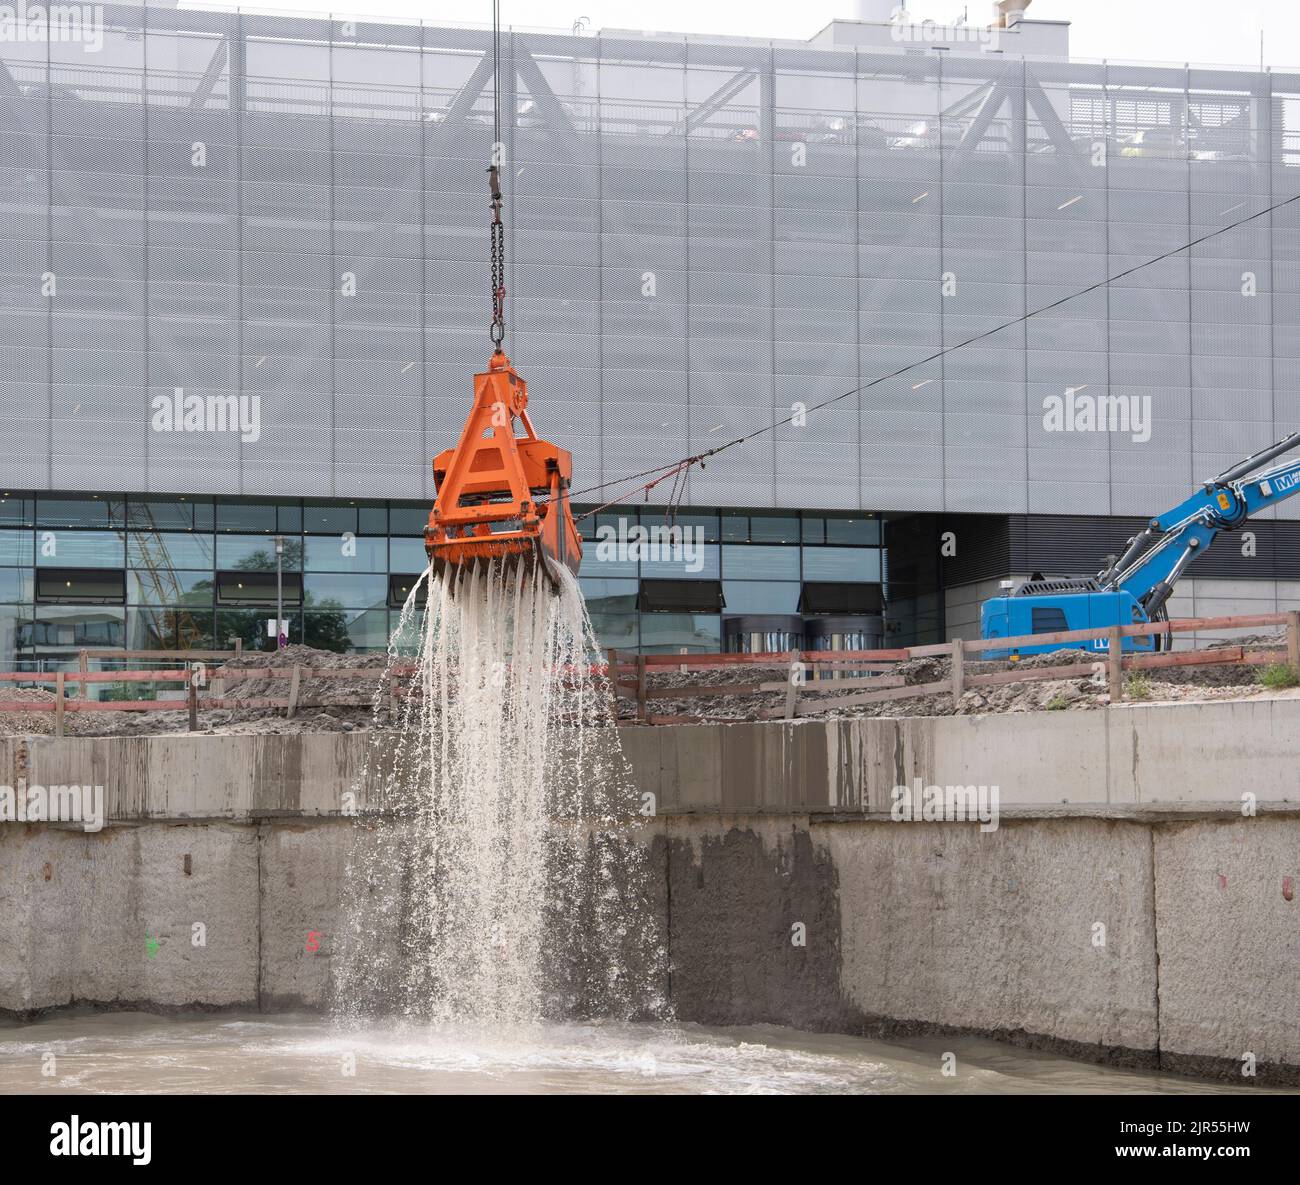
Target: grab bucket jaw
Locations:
point(501, 496)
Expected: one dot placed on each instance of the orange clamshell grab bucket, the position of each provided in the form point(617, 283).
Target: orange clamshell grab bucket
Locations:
point(488, 487)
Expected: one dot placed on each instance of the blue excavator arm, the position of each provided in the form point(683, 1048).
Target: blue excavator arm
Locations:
point(1135, 588)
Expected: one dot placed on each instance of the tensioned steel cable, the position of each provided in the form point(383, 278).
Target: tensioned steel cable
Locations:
point(677, 467)
point(496, 74)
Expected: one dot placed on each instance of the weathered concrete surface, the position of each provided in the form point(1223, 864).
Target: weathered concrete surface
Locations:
point(299, 900)
point(1001, 932)
point(761, 828)
point(1098, 938)
point(753, 923)
point(1228, 940)
point(1118, 760)
point(77, 911)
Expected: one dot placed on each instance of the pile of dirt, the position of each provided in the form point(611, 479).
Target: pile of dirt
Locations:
point(26, 723)
point(330, 705)
point(1085, 692)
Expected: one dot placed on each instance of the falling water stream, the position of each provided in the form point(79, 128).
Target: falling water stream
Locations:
point(503, 882)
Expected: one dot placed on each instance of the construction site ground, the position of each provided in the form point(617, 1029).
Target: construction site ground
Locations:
point(342, 705)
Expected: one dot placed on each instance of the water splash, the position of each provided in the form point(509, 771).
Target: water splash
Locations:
point(503, 878)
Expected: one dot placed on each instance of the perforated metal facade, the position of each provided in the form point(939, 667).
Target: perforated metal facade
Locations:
point(702, 235)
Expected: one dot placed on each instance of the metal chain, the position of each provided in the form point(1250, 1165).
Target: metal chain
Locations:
point(498, 330)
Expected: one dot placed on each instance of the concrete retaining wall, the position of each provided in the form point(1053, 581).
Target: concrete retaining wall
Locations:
point(1134, 826)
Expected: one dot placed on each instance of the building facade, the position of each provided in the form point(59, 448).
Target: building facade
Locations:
point(243, 278)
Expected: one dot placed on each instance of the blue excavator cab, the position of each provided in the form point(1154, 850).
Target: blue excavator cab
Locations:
point(1053, 605)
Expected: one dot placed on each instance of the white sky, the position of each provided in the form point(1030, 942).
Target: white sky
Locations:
point(1206, 32)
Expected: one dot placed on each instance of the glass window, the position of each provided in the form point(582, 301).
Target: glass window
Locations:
point(250, 626)
point(707, 524)
point(616, 631)
point(9, 615)
point(205, 515)
point(246, 516)
point(17, 548)
point(349, 591)
point(372, 519)
point(343, 632)
point(753, 562)
point(408, 520)
point(773, 528)
point(16, 585)
point(256, 553)
point(80, 549)
point(609, 596)
point(407, 555)
point(16, 512)
point(842, 563)
point(735, 528)
point(161, 515)
point(73, 627)
point(170, 629)
point(669, 561)
point(619, 522)
point(72, 513)
point(170, 587)
point(594, 565)
point(761, 596)
point(814, 530)
point(861, 532)
point(329, 518)
point(337, 554)
point(671, 633)
point(1046, 621)
point(146, 549)
point(289, 518)
point(81, 586)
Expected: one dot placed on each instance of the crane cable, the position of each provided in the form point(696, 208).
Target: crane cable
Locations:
point(678, 468)
point(497, 331)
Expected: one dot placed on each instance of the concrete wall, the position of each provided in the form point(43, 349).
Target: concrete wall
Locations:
point(1135, 826)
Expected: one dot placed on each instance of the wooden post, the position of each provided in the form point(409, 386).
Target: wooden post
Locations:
point(1115, 664)
point(83, 662)
point(611, 670)
point(58, 703)
point(1293, 639)
point(958, 670)
point(792, 682)
point(239, 647)
point(640, 688)
point(192, 700)
point(295, 682)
